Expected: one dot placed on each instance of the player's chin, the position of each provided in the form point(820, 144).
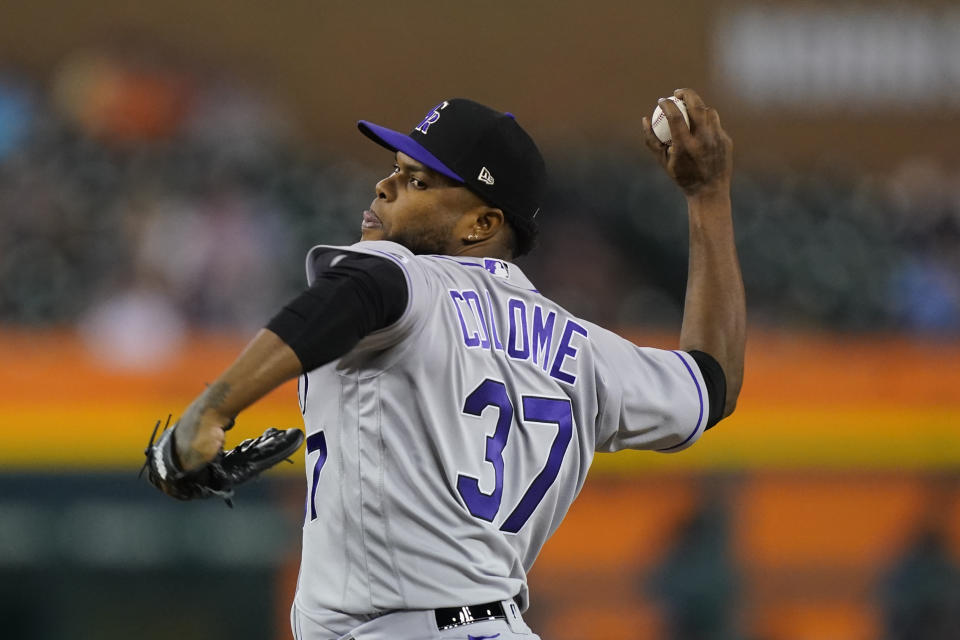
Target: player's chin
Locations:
point(372, 233)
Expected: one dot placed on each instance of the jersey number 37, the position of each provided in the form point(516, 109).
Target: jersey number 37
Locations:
point(547, 411)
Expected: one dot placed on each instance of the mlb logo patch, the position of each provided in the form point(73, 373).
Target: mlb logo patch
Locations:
point(498, 268)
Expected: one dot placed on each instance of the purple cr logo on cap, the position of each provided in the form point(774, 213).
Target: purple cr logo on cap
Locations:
point(432, 117)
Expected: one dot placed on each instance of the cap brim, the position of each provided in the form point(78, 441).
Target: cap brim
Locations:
point(396, 141)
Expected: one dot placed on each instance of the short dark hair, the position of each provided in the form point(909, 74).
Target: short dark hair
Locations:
point(525, 232)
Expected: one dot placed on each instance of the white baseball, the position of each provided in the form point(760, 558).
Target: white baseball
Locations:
point(661, 128)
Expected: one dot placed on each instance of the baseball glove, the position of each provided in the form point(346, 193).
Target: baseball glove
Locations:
point(230, 468)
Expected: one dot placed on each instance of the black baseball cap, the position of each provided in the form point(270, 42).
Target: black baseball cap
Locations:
point(486, 150)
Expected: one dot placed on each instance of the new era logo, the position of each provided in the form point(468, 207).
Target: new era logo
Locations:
point(485, 176)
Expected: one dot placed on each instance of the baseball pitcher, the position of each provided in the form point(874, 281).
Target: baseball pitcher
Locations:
point(451, 409)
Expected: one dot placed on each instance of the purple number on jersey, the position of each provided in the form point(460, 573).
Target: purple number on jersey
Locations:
point(492, 393)
point(316, 442)
point(549, 411)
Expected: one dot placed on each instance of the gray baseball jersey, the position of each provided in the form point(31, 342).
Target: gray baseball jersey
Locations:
point(444, 450)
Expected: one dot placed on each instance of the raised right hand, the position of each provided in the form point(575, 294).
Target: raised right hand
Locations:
point(699, 159)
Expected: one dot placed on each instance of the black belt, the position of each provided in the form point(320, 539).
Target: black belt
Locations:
point(450, 617)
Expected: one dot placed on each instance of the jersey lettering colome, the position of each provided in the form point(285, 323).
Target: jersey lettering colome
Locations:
point(444, 450)
point(529, 333)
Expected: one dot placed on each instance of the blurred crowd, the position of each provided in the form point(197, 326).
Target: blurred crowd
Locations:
point(142, 197)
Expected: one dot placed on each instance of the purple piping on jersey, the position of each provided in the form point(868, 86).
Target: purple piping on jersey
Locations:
point(699, 395)
point(465, 264)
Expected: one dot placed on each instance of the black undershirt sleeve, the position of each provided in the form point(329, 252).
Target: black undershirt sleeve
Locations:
point(716, 383)
point(356, 296)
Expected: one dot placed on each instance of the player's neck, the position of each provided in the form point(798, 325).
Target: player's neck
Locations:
point(485, 250)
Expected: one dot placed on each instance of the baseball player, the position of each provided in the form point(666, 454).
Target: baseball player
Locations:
point(451, 409)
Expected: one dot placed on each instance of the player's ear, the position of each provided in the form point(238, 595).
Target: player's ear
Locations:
point(484, 222)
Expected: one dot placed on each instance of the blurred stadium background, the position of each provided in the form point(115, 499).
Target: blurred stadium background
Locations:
point(164, 167)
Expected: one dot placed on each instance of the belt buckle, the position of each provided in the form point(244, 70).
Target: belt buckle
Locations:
point(453, 617)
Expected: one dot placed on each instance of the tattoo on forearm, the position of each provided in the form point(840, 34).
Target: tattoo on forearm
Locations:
point(212, 398)
point(215, 394)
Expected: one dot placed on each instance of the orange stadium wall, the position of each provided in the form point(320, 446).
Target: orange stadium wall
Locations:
point(808, 401)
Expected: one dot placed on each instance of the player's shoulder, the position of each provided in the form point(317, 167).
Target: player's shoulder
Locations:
point(323, 256)
point(383, 248)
